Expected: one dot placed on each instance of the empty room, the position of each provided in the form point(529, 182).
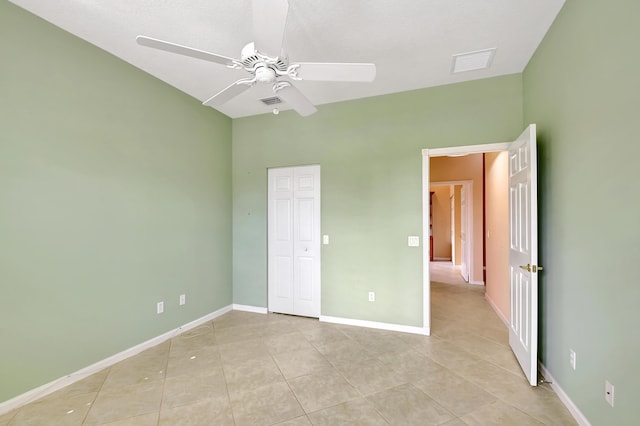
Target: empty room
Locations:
point(218, 212)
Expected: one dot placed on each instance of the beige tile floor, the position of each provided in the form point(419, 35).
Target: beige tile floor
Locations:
point(253, 369)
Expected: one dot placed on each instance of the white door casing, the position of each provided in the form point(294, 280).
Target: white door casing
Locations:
point(452, 212)
point(294, 240)
point(464, 235)
point(523, 252)
point(467, 185)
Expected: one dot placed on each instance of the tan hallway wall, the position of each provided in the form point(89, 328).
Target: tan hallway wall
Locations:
point(497, 230)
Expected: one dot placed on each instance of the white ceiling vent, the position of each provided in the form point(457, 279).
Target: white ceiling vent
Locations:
point(271, 101)
point(471, 61)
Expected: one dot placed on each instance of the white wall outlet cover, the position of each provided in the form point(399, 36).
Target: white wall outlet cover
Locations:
point(608, 393)
point(372, 296)
point(413, 241)
point(183, 299)
point(325, 239)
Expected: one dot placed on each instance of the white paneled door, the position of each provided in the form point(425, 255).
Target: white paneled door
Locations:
point(294, 240)
point(523, 253)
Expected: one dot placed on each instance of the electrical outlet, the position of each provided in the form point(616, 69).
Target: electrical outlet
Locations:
point(183, 299)
point(608, 392)
point(572, 358)
point(413, 241)
point(372, 296)
point(160, 307)
point(325, 239)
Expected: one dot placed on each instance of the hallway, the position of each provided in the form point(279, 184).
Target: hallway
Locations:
point(445, 272)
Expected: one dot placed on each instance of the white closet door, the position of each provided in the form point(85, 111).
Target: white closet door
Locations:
point(294, 240)
point(280, 236)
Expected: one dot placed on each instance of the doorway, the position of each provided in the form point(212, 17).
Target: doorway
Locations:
point(457, 198)
point(294, 240)
point(523, 244)
point(427, 154)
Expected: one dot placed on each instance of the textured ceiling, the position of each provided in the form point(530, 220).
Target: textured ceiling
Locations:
point(410, 41)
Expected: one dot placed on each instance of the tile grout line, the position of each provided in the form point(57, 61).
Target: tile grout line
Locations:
point(288, 386)
point(226, 384)
point(95, 398)
point(164, 380)
point(362, 395)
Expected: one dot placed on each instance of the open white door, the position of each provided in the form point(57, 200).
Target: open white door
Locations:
point(523, 253)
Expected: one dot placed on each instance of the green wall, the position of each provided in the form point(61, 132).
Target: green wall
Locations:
point(369, 151)
point(583, 91)
point(115, 193)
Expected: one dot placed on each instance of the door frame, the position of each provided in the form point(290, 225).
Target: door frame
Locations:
point(452, 212)
point(426, 183)
point(468, 187)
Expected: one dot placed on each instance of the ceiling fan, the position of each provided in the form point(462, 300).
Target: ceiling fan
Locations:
point(267, 63)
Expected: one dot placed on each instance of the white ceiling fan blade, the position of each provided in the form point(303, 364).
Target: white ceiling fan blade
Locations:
point(296, 100)
point(269, 19)
point(325, 71)
point(227, 93)
point(183, 50)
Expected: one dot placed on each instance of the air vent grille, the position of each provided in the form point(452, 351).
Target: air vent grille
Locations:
point(271, 101)
point(471, 61)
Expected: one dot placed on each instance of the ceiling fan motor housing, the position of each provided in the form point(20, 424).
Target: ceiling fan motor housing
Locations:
point(263, 67)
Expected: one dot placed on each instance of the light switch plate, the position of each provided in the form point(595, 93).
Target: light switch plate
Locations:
point(414, 241)
point(325, 239)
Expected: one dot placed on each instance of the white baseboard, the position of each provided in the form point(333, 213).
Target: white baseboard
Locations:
point(378, 325)
point(575, 411)
point(497, 311)
point(247, 308)
point(57, 384)
point(476, 282)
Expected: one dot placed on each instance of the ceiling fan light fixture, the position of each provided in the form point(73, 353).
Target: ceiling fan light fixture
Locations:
point(265, 74)
point(471, 61)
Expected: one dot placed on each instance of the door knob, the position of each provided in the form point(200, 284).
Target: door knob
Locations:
point(531, 268)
